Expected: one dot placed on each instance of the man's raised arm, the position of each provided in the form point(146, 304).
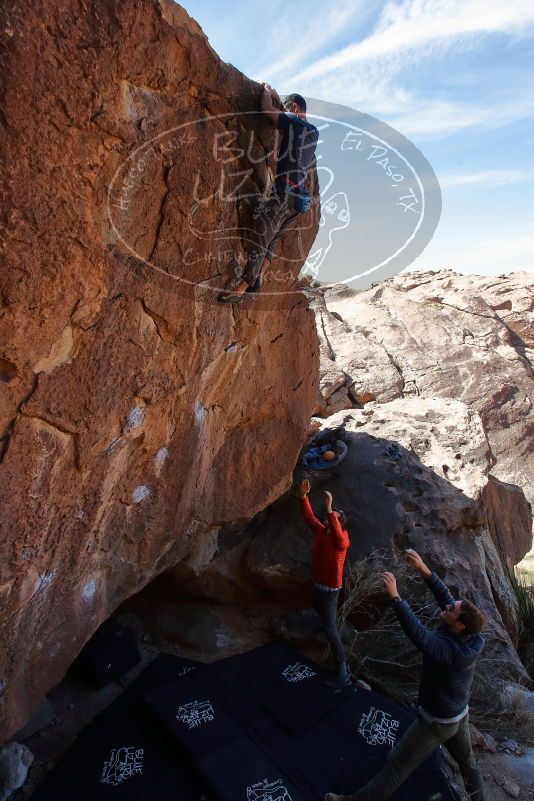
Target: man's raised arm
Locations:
point(429, 643)
point(433, 582)
point(305, 506)
point(336, 530)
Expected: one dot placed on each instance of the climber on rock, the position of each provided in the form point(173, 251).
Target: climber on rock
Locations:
point(450, 655)
point(288, 197)
point(329, 548)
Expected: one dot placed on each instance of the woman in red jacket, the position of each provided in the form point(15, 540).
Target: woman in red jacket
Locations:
point(329, 548)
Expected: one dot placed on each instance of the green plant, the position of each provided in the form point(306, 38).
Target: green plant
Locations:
point(524, 593)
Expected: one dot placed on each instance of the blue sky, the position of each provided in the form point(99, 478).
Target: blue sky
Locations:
point(454, 76)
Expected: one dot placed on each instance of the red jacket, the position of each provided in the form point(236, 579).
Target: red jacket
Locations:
point(328, 549)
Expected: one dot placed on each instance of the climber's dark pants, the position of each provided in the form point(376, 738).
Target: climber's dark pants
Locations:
point(325, 604)
point(419, 741)
point(272, 217)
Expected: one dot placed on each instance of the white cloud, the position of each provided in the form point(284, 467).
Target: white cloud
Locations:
point(442, 117)
point(516, 251)
point(484, 178)
point(511, 251)
point(300, 37)
point(375, 74)
point(418, 22)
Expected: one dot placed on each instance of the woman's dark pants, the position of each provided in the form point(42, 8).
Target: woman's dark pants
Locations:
point(325, 604)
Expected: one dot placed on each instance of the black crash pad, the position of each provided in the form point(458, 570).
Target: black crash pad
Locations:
point(315, 760)
point(128, 766)
point(241, 682)
point(370, 722)
point(110, 653)
point(239, 751)
point(299, 704)
point(129, 708)
point(426, 783)
point(241, 771)
point(194, 718)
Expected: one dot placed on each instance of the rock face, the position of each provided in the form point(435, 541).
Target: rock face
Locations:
point(15, 760)
point(440, 335)
point(137, 414)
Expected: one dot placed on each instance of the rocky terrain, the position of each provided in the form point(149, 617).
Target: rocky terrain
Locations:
point(439, 335)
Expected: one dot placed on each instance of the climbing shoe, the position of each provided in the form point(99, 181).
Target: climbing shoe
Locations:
point(228, 297)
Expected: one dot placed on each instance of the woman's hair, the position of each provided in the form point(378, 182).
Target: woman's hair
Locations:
point(342, 516)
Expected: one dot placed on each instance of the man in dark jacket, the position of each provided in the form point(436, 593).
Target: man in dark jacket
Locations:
point(288, 196)
point(449, 660)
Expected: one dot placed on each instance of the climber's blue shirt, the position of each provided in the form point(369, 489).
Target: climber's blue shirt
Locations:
point(449, 659)
point(296, 149)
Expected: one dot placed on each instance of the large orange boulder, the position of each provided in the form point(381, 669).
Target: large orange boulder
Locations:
point(136, 413)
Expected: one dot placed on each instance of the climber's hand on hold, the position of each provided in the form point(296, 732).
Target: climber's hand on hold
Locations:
point(390, 584)
point(304, 487)
point(268, 103)
point(328, 501)
point(269, 89)
point(414, 560)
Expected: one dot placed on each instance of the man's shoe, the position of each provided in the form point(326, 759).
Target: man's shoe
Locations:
point(228, 297)
point(341, 678)
point(255, 287)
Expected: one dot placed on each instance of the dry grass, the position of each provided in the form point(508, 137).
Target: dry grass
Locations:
point(497, 702)
point(382, 654)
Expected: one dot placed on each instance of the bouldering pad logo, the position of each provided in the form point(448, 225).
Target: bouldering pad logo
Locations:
point(297, 672)
point(195, 713)
point(185, 669)
point(378, 727)
point(191, 201)
point(266, 790)
point(123, 764)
